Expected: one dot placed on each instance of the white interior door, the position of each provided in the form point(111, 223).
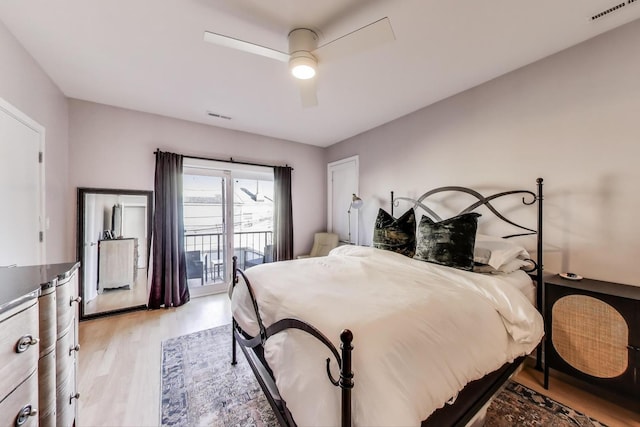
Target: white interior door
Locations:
point(21, 188)
point(342, 183)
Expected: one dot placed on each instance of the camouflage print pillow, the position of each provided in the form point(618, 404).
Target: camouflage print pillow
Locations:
point(397, 235)
point(449, 242)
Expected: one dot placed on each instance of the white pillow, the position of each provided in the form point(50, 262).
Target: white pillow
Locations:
point(507, 267)
point(496, 251)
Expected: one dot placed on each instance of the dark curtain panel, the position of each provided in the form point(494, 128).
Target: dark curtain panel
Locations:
point(282, 214)
point(169, 278)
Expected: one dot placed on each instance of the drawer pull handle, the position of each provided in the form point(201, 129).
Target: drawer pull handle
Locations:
point(25, 342)
point(76, 299)
point(74, 396)
point(24, 414)
point(72, 349)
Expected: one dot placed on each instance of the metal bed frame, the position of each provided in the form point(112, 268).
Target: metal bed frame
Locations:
point(469, 401)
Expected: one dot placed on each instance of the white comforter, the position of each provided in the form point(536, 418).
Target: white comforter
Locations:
point(421, 331)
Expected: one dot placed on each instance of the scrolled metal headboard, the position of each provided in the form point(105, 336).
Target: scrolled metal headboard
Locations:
point(482, 201)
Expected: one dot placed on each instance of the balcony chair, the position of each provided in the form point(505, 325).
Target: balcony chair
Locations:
point(322, 245)
point(195, 266)
point(267, 256)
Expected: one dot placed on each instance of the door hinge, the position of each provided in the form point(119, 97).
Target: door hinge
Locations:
point(41, 236)
point(40, 156)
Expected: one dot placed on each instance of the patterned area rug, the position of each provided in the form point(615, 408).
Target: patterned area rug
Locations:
point(201, 388)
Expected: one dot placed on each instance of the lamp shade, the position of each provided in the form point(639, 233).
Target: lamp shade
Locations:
point(356, 202)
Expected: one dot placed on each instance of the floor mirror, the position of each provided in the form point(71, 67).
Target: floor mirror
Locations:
point(114, 239)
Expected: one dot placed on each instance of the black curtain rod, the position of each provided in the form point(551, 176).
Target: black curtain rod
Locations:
point(228, 161)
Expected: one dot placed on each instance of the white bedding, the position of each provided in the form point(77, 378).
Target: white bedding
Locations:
point(421, 331)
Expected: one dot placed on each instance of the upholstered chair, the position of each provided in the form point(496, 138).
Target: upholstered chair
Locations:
point(322, 244)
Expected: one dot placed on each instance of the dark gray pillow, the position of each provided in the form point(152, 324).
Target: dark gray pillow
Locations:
point(449, 242)
point(397, 235)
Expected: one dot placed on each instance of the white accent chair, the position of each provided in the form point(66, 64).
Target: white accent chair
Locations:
point(322, 244)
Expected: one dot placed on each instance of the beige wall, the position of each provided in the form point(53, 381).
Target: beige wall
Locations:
point(113, 148)
point(571, 118)
point(25, 85)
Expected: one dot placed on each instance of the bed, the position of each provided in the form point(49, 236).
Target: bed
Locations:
point(420, 343)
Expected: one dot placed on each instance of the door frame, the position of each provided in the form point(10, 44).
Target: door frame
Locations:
point(355, 160)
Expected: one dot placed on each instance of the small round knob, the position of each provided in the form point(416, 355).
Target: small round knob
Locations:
point(73, 396)
point(76, 299)
point(24, 414)
point(25, 342)
point(72, 349)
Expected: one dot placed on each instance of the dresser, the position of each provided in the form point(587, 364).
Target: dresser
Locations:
point(39, 345)
point(117, 263)
point(593, 333)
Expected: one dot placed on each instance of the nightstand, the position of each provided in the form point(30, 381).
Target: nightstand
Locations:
point(593, 332)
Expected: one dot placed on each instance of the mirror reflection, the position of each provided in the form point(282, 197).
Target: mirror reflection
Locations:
point(114, 240)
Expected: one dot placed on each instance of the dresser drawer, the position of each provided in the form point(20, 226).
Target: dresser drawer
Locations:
point(65, 357)
point(66, 400)
point(66, 298)
point(19, 348)
point(15, 408)
point(47, 390)
point(48, 318)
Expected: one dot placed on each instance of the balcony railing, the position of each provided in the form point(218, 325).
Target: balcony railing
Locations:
point(205, 253)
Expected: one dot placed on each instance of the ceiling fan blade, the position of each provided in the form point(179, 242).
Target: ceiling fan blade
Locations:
point(232, 43)
point(367, 37)
point(308, 93)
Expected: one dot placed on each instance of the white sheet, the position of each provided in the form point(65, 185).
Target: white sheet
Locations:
point(421, 331)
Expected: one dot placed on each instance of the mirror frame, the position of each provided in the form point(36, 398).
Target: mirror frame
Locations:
point(82, 191)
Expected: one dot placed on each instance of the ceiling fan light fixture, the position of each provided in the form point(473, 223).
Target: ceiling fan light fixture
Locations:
point(303, 65)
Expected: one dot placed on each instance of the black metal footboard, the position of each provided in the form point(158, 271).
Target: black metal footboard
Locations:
point(343, 358)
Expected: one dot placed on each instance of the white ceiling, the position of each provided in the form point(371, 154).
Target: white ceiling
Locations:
point(149, 55)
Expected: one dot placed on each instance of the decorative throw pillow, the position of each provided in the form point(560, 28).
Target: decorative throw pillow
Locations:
point(397, 235)
point(449, 242)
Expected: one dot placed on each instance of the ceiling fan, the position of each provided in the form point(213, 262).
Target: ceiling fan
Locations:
point(304, 53)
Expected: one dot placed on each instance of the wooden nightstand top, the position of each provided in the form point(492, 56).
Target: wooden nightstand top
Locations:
point(599, 286)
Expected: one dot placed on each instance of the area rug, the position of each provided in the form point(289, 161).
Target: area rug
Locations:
point(200, 387)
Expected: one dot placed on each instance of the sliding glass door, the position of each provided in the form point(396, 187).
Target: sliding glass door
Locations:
point(214, 193)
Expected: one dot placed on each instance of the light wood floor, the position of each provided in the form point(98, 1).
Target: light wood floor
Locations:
point(119, 364)
point(119, 368)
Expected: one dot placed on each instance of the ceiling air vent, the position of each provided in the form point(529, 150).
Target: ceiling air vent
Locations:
point(218, 116)
point(610, 10)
